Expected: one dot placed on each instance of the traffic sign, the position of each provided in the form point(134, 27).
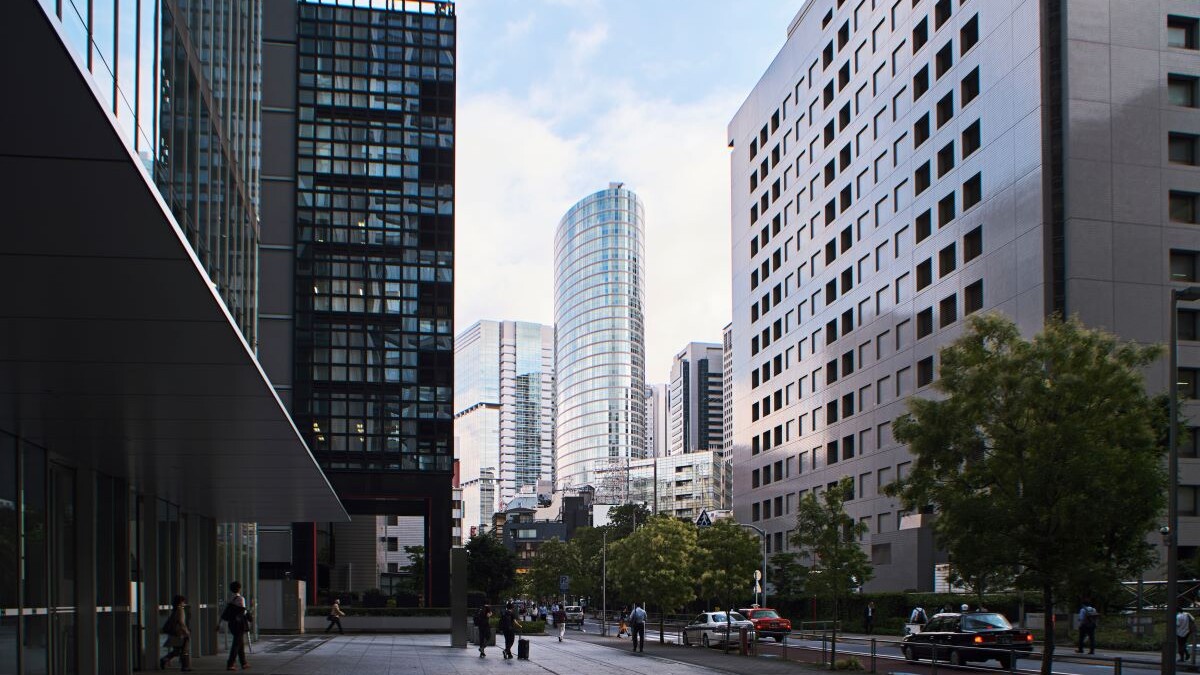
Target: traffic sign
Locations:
point(564, 583)
point(758, 575)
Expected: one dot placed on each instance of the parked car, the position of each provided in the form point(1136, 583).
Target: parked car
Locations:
point(709, 628)
point(960, 638)
point(574, 615)
point(768, 623)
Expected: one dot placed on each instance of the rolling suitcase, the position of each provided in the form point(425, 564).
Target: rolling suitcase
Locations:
point(523, 649)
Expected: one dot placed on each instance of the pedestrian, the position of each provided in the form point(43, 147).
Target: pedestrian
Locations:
point(335, 616)
point(622, 627)
point(869, 618)
point(508, 621)
point(483, 623)
point(1185, 625)
point(238, 620)
point(178, 636)
point(1087, 627)
point(637, 627)
point(918, 616)
point(560, 621)
point(965, 608)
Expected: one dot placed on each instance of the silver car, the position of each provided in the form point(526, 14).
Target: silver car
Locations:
point(709, 628)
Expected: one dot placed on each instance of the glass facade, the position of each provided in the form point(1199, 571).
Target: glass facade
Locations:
point(375, 235)
point(599, 296)
point(182, 80)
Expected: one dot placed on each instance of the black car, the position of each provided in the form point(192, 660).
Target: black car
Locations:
point(959, 638)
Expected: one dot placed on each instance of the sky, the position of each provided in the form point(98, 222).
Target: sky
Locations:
point(557, 98)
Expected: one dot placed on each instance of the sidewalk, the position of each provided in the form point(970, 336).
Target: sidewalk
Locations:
point(431, 655)
point(709, 660)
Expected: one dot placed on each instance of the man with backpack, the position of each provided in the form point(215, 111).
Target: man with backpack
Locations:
point(483, 623)
point(1087, 627)
point(239, 620)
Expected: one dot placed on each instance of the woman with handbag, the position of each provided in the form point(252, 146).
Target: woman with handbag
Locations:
point(178, 636)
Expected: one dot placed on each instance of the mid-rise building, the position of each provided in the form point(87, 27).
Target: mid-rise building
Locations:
point(681, 485)
point(357, 293)
point(727, 390)
point(901, 166)
point(504, 413)
point(600, 351)
point(139, 438)
point(656, 420)
point(695, 400)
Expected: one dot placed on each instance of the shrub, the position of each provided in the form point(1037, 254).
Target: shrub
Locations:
point(849, 663)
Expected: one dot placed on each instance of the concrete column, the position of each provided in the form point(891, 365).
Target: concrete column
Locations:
point(147, 603)
point(85, 570)
point(194, 566)
point(458, 597)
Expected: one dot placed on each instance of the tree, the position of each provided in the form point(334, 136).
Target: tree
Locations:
point(654, 564)
point(1043, 456)
point(829, 537)
point(787, 576)
point(491, 567)
point(725, 562)
point(554, 559)
point(624, 519)
point(413, 583)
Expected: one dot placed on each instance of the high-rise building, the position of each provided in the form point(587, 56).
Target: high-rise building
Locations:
point(358, 258)
point(901, 166)
point(727, 390)
point(600, 352)
point(503, 412)
point(695, 400)
point(681, 485)
point(656, 420)
point(139, 438)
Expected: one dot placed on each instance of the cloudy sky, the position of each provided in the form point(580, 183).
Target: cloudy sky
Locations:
point(556, 98)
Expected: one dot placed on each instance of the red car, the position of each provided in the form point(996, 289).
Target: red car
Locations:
point(768, 623)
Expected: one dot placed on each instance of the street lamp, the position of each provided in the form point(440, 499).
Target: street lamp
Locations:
point(1171, 531)
point(762, 535)
point(603, 583)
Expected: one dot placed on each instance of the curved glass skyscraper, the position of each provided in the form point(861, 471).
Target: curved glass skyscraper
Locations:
point(599, 351)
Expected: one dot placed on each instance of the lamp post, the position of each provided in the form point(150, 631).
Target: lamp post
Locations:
point(761, 535)
point(1171, 531)
point(603, 583)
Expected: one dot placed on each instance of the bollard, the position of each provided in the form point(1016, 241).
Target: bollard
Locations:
point(1012, 661)
point(1117, 666)
point(872, 655)
point(743, 641)
point(933, 669)
point(822, 649)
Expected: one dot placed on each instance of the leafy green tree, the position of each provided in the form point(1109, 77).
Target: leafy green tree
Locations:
point(977, 571)
point(624, 519)
point(413, 583)
point(787, 576)
point(554, 559)
point(1043, 452)
point(491, 567)
point(726, 558)
point(654, 565)
point(586, 546)
point(829, 537)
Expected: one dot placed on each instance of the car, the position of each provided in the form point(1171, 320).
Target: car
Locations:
point(574, 615)
point(709, 628)
point(962, 637)
point(768, 623)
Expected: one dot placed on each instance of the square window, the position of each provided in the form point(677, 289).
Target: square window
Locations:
point(941, 13)
point(945, 159)
point(971, 139)
point(924, 322)
point(923, 226)
point(1183, 148)
point(920, 35)
point(1188, 383)
point(1181, 90)
point(1187, 323)
point(843, 34)
point(1183, 207)
point(843, 75)
point(946, 210)
point(921, 83)
point(972, 191)
point(1182, 32)
point(921, 130)
point(968, 35)
point(828, 138)
point(948, 311)
point(970, 86)
point(943, 61)
point(827, 95)
point(947, 260)
point(925, 371)
point(945, 109)
point(1184, 265)
point(924, 274)
point(844, 117)
point(921, 179)
point(973, 244)
point(973, 298)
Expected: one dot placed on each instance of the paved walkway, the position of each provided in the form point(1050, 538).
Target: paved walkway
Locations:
point(431, 655)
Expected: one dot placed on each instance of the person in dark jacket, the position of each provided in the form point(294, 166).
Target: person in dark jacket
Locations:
point(238, 619)
point(178, 636)
point(483, 623)
point(508, 624)
point(869, 618)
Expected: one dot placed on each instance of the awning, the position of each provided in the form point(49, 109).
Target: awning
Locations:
point(115, 350)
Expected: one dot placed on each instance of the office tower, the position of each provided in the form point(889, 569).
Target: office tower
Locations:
point(727, 390)
point(656, 420)
point(696, 400)
point(681, 485)
point(136, 423)
point(600, 352)
point(902, 166)
point(358, 280)
point(503, 413)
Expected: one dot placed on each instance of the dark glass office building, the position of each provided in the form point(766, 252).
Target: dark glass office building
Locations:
point(358, 259)
point(136, 425)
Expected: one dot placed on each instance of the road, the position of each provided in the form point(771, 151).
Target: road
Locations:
point(1066, 661)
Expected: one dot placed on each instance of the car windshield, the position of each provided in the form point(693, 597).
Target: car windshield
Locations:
point(719, 617)
point(975, 622)
point(737, 617)
point(765, 614)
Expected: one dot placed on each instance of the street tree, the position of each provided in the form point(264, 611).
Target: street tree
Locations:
point(787, 576)
point(587, 555)
point(654, 565)
point(1044, 453)
point(623, 519)
point(491, 567)
point(554, 559)
point(829, 537)
point(726, 558)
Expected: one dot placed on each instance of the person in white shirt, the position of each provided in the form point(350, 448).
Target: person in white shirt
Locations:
point(1185, 625)
point(637, 627)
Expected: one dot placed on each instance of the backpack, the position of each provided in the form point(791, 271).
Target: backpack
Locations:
point(506, 620)
point(1089, 617)
point(481, 619)
point(919, 616)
